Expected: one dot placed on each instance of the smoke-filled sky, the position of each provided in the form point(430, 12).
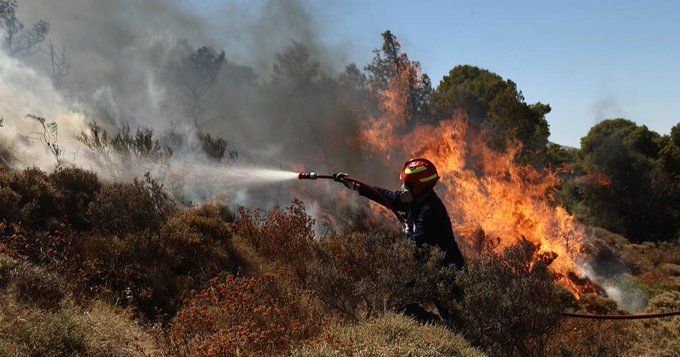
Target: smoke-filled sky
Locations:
point(588, 60)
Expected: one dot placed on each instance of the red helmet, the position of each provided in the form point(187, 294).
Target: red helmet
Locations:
point(419, 172)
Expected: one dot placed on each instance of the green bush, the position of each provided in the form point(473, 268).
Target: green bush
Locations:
point(511, 303)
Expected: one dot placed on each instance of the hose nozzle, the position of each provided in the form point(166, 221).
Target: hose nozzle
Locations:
point(308, 176)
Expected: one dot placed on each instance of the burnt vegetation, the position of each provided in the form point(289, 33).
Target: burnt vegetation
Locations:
point(91, 267)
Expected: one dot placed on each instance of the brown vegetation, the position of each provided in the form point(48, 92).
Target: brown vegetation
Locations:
point(72, 247)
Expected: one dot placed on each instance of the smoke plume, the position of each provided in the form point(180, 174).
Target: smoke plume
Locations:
point(276, 98)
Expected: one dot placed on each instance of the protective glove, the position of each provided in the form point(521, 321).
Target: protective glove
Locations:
point(340, 177)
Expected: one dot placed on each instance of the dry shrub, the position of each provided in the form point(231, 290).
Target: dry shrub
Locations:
point(198, 242)
point(37, 286)
point(598, 304)
point(121, 209)
point(246, 316)
point(77, 188)
point(577, 337)
point(388, 335)
point(39, 211)
point(7, 266)
point(132, 270)
point(48, 247)
point(511, 303)
point(32, 199)
point(649, 261)
point(658, 337)
point(152, 272)
point(360, 274)
point(283, 235)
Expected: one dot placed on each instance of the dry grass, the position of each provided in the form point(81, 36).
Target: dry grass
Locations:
point(658, 337)
point(99, 330)
point(111, 331)
point(388, 335)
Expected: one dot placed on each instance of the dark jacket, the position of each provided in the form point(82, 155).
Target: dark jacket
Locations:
point(428, 222)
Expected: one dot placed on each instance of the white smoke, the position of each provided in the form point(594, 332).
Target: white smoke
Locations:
point(24, 91)
point(620, 287)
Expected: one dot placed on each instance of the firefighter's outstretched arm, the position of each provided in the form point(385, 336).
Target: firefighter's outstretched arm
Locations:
point(385, 197)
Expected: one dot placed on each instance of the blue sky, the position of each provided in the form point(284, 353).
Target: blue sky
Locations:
point(590, 60)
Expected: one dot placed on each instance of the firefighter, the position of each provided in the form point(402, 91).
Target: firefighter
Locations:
point(427, 221)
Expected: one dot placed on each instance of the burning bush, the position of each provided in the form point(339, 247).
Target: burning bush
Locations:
point(241, 316)
point(510, 301)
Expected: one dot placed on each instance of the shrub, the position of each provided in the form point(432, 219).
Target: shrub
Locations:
point(241, 316)
point(198, 241)
point(132, 270)
point(576, 337)
point(7, 265)
point(361, 274)
point(31, 197)
point(282, 235)
point(198, 246)
point(658, 337)
point(38, 286)
point(77, 188)
point(215, 147)
point(388, 335)
point(510, 302)
point(121, 209)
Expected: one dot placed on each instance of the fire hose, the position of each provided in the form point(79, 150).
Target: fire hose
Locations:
point(620, 317)
point(390, 206)
point(383, 199)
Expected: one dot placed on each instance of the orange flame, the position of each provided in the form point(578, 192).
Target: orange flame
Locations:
point(482, 189)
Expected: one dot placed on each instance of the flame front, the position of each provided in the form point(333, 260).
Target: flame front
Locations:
point(483, 190)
